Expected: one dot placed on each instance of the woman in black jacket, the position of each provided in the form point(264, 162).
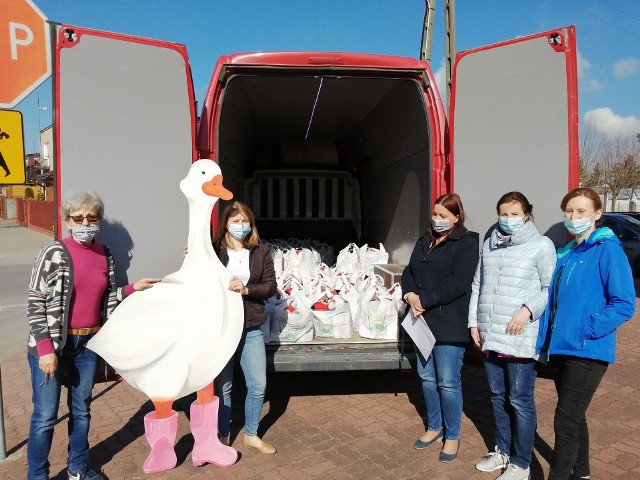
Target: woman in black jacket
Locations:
point(237, 243)
point(437, 285)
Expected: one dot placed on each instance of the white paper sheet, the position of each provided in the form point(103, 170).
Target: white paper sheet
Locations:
point(419, 332)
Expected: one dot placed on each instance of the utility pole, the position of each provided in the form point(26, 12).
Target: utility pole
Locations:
point(449, 34)
point(427, 30)
point(449, 42)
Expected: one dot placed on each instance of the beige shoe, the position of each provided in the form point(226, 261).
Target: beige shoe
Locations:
point(253, 441)
point(224, 440)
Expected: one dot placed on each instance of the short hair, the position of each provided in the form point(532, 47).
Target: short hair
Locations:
point(582, 192)
point(81, 199)
point(222, 238)
point(516, 197)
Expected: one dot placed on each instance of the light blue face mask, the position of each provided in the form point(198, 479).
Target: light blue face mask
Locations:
point(239, 231)
point(510, 225)
point(579, 226)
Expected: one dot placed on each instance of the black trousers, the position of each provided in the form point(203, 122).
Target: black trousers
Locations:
point(576, 381)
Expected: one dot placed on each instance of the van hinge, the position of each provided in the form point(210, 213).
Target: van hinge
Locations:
point(223, 76)
point(425, 81)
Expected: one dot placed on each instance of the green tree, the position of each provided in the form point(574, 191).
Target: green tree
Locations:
point(28, 192)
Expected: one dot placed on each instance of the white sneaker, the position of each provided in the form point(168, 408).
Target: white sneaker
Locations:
point(494, 461)
point(513, 472)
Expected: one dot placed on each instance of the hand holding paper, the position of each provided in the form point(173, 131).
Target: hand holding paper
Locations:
point(419, 332)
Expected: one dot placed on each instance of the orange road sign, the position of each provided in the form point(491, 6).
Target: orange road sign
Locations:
point(25, 57)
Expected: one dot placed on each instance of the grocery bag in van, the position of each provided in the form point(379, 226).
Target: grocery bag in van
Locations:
point(291, 321)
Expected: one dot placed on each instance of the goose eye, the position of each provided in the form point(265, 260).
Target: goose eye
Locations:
point(202, 172)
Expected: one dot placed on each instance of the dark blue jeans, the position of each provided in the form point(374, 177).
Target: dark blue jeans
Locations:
point(511, 382)
point(442, 388)
point(76, 370)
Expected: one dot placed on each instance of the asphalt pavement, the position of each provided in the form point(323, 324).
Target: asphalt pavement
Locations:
point(18, 248)
point(335, 426)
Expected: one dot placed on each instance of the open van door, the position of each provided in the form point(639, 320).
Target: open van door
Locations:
point(514, 126)
point(125, 120)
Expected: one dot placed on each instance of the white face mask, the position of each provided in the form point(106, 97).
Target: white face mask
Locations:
point(440, 226)
point(85, 233)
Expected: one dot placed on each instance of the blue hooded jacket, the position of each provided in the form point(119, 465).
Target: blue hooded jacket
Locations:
point(592, 294)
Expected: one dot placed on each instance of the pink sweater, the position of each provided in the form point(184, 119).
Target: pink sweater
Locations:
point(89, 283)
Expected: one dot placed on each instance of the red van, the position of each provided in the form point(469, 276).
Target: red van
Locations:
point(337, 147)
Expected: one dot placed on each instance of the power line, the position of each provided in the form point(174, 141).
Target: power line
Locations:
point(628, 14)
point(599, 17)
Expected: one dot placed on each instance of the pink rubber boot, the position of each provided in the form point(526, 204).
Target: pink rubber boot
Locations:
point(207, 448)
point(160, 434)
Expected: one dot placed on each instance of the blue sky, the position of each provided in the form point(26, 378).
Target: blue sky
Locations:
point(608, 38)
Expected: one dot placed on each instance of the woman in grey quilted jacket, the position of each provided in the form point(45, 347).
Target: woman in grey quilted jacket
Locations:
point(508, 296)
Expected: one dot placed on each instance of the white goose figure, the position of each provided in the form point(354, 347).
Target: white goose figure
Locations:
point(174, 339)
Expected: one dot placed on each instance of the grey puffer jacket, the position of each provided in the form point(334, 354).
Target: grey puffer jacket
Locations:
point(506, 278)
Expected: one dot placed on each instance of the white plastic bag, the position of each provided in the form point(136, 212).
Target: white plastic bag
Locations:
point(348, 259)
point(291, 321)
point(378, 315)
point(333, 323)
point(370, 256)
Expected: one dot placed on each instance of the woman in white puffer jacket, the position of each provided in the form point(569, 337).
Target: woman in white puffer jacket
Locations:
point(509, 294)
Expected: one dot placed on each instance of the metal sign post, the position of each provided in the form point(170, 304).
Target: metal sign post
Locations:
point(3, 450)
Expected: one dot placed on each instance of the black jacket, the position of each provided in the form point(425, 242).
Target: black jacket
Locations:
point(442, 278)
point(261, 284)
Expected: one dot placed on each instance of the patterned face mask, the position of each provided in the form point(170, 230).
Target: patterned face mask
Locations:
point(85, 233)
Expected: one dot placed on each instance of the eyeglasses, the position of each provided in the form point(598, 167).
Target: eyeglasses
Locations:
point(80, 218)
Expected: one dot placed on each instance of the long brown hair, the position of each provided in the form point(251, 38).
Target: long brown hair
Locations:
point(452, 202)
point(223, 238)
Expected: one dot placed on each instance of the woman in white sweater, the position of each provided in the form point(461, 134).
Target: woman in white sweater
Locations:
point(509, 294)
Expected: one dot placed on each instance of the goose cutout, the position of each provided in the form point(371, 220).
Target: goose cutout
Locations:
point(175, 338)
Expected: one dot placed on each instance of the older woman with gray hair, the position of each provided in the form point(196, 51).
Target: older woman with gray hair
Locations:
point(72, 291)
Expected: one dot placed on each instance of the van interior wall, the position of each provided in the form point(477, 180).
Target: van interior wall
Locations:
point(381, 136)
point(392, 148)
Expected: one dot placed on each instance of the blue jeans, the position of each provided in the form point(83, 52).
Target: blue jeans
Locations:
point(76, 370)
point(515, 421)
point(442, 388)
point(253, 360)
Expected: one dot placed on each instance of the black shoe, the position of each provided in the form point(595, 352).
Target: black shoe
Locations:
point(88, 474)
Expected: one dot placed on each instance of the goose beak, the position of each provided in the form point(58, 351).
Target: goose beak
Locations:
point(214, 188)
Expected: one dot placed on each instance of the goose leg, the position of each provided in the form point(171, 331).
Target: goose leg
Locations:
point(207, 448)
point(160, 428)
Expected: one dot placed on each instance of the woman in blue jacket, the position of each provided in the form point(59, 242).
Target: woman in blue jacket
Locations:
point(591, 295)
point(437, 285)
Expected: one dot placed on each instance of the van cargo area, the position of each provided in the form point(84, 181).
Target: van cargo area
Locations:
point(322, 156)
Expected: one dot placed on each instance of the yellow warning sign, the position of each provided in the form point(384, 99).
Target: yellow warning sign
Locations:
point(12, 165)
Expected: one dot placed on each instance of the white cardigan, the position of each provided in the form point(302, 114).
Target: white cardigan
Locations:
point(507, 278)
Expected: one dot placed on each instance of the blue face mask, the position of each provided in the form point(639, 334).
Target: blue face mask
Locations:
point(578, 226)
point(510, 225)
point(239, 231)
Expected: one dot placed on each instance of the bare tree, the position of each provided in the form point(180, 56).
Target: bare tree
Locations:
point(609, 161)
point(618, 160)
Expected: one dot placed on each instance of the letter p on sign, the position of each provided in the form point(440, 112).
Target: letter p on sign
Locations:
point(24, 50)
